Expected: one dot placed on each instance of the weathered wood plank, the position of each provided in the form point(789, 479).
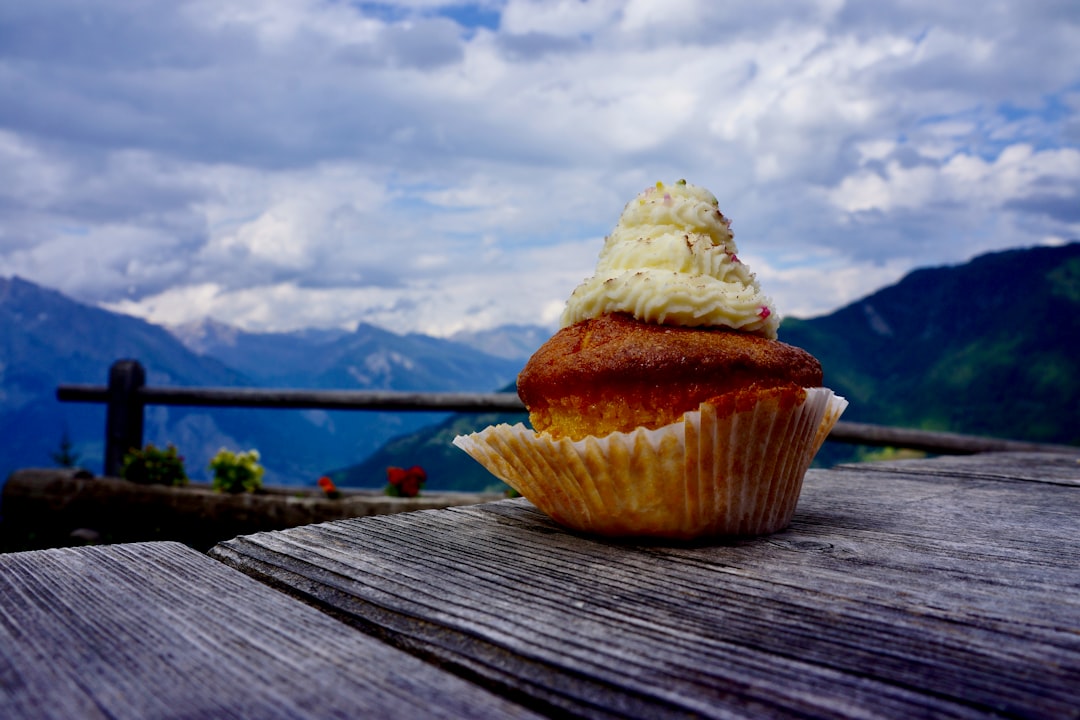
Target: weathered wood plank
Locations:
point(398, 401)
point(158, 630)
point(899, 595)
point(933, 441)
point(1057, 468)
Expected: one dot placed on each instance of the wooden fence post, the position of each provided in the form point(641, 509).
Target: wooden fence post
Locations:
point(123, 413)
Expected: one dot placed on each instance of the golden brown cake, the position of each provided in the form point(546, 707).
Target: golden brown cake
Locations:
point(665, 406)
point(614, 374)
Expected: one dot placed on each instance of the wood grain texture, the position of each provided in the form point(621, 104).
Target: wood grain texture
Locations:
point(893, 594)
point(1056, 468)
point(158, 630)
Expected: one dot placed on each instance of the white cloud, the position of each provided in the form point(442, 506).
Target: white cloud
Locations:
point(436, 165)
point(276, 22)
point(530, 288)
point(1017, 172)
point(27, 176)
point(558, 17)
point(823, 284)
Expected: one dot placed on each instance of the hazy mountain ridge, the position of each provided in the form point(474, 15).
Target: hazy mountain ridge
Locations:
point(233, 345)
point(990, 347)
point(369, 357)
point(514, 342)
point(47, 339)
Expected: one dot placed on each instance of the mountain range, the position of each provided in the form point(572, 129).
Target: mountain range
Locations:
point(990, 347)
point(47, 339)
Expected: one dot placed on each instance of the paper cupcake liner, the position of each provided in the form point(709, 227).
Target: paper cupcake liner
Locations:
point(728, 469)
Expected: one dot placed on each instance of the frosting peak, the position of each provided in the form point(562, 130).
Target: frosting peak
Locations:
point(672, 260)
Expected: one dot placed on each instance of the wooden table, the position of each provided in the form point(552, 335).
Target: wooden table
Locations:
point(946, 588)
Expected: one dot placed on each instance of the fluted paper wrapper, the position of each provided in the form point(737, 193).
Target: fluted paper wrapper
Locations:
point(733, 470)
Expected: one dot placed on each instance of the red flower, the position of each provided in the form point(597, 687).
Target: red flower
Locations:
point(405, 483)
point(329, 487)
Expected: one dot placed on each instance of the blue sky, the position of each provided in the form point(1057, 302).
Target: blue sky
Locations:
point(440, 166)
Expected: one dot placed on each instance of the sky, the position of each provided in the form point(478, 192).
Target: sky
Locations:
point(435, 166)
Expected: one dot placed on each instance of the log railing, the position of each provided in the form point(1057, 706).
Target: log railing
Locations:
point(126, 396)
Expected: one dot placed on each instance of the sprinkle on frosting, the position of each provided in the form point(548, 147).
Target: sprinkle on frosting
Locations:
point(672, 260)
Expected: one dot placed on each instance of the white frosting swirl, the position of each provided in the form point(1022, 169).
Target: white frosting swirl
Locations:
point(671, 260)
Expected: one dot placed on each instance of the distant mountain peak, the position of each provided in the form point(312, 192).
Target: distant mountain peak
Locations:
point(208, 336)
point(201, 335)
point(513, 342)
point(15, 290)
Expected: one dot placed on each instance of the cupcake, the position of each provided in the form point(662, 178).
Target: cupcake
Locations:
point(665, 406)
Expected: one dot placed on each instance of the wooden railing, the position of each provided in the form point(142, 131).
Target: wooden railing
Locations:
point(126, 396)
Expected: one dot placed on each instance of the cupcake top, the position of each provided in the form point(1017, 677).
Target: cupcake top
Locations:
point(672, 260)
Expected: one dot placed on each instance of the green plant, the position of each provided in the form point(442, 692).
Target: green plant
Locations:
point(237, 472)
point(153, 466)
point(65, 456)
